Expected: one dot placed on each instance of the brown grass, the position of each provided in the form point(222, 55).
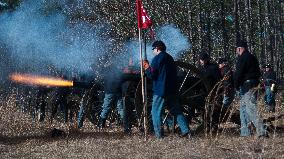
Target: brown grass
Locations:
point(20, 137)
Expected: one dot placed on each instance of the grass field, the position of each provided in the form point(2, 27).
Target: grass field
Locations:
point(20, 137)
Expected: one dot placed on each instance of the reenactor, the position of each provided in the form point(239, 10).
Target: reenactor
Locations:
point(269, 81)
point(212, 75)
point(210, 71)
point(163, 73)
point(41, 102)
point(113, 81)
point(246, 80)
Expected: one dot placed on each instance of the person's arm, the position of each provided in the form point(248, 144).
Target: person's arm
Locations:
point(152, 70)
point(239, 71)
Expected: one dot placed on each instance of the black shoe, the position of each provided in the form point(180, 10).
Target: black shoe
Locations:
point(265, 136)
point(57, 133)
point(127, 131)
point(186, 135)
point(102, 123)
point(41, 117)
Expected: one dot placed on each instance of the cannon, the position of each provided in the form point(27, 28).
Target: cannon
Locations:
point(202, 104)
point(193, 90)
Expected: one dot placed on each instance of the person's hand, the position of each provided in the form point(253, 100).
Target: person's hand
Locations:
point(145, 64)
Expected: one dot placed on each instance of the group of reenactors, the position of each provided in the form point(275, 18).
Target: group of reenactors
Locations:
point(243, 82)
point(163, 73)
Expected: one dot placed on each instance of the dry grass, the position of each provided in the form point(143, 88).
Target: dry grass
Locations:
point(20, 137)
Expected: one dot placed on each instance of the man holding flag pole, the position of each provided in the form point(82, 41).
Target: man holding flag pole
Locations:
point(164, 75)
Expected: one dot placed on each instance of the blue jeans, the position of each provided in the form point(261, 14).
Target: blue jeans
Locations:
point(111, 98)
point(249, 113)
point(82, 114)
point(158, 106)
point(269, 97)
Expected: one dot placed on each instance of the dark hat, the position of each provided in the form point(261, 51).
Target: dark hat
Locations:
point(204, 56)
point(222, 60)
point(242, 43)
point(161, 45)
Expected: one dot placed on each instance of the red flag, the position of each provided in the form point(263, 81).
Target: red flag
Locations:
point(143, 18)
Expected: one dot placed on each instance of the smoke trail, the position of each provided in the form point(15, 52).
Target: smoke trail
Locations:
point(175, 41)
point(39, 33)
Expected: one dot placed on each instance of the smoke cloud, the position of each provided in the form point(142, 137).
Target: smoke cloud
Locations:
point(39, 33)
point(175, 41)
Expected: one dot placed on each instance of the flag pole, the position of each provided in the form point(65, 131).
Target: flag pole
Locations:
point(145, 104)
point(142, 82)
point(143, 22)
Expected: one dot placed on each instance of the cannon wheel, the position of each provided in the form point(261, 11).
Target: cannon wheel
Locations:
point(92, 100)
point(193, 90)
point(215, 113)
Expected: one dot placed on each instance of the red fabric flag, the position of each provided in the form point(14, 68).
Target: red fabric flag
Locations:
point(143, 18)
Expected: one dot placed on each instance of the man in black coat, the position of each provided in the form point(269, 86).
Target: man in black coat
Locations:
point(212, 75)
point(246, 79)
point(210, 71)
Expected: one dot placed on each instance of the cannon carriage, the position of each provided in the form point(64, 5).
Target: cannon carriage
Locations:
point(193, 92)
point(202, 104)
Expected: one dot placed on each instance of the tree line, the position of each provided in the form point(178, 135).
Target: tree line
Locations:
point(212, 26)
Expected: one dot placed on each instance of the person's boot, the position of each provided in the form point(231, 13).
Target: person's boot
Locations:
point(41, 117)
point(102, 122)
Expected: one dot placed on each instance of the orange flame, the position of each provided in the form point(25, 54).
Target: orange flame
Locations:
point(40, 80)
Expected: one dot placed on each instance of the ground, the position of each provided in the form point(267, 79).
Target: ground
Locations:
point(20, 137)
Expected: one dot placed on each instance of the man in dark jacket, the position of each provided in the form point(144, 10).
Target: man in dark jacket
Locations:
point(113, 94)
point(210, 71)
point(212, 75)
point(164, 75)
point(246, 78)
point(269, 80)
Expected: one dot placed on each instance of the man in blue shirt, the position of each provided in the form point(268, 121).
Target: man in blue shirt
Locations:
point(164, 75)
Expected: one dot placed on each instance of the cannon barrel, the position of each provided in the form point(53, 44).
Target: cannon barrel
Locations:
point(81, 84)
point(88, 84)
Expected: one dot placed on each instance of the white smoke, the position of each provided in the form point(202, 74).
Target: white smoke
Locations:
point(39, 33)
point(175, 41)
